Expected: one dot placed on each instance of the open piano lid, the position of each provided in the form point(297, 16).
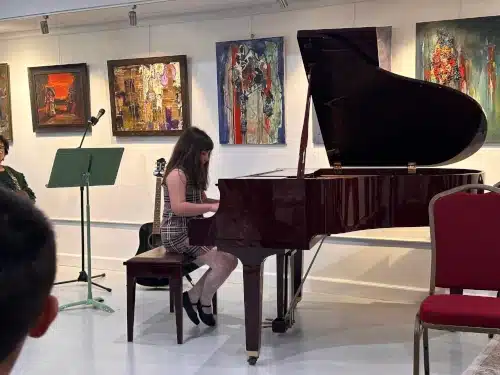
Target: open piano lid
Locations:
point(371, 117)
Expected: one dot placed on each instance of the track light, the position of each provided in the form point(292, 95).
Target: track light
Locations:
point(132, 16)
point(283, 3)
point(44, 25)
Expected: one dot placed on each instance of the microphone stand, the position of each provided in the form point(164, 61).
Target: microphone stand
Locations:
point(83, 277)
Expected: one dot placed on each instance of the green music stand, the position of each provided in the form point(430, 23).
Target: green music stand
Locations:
point(77, 167)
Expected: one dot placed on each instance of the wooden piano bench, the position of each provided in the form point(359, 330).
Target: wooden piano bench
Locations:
point(157, 263)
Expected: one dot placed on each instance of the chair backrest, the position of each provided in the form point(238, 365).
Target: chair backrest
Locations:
point(465, 235)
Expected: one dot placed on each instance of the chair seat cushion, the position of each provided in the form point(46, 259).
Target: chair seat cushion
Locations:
point(462, 311)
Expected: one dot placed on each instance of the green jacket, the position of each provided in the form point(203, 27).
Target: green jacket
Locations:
point(21, 181)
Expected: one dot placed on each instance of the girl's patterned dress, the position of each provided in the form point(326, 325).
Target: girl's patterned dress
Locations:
point(174, 234)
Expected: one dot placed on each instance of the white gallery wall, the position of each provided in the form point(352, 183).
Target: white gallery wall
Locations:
point(118, 211)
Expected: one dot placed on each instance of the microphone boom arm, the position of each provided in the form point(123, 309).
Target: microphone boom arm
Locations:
point(91, 122)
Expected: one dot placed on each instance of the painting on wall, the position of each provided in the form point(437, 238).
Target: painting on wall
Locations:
point(463, 54)
point(251, 92)
point(384, 44)
point(60, 97)
point(5, 108)
point(149, 96)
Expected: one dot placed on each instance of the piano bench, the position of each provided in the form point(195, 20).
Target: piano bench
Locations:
point(157, 263)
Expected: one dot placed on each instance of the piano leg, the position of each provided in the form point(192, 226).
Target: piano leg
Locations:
point(297, 271)
point(253, 268)
point(281, 281)
point(283, 320)
point(252, 289)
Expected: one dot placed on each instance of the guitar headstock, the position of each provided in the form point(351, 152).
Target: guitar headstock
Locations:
point(160, 167)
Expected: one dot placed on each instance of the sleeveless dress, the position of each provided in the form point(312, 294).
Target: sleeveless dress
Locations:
point(173, 229)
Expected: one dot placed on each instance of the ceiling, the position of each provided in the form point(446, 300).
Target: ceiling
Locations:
point(152, 10)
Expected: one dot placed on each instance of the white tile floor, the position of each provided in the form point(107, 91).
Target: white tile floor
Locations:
point(333, 335)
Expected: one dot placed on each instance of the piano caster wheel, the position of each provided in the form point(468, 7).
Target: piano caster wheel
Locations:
point(490, 336)
point(252, 361)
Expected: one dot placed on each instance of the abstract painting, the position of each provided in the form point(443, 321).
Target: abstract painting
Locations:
point(60, 99)
point(384, 43)
point(149, 96)
point(250, 84)
point(5, 108)
point(463, 54)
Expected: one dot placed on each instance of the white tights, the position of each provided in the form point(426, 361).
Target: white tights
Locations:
point(221, 265)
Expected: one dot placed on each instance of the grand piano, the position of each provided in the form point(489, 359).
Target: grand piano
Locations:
point(382, 133)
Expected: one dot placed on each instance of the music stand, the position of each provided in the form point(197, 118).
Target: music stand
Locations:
point(85, 167)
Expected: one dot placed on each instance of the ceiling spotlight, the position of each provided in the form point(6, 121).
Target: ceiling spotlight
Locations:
point(132, 16)
point(283, 3)
point(44, 25)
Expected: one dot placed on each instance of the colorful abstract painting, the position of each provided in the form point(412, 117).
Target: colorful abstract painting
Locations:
point(250, 83)
point(60, 98)
point(149, 97)
point(463, 54)
point(384, 43)
point(5, 108)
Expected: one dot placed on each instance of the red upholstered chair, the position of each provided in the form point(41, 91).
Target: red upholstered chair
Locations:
point(465, 235)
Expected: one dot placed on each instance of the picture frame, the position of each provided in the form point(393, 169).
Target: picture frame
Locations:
point(5, 103)
point(149, 96)
point(60, 97)
point(462, 54)
point(251, 91)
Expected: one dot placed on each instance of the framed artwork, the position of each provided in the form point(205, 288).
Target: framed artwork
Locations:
point(251, 94)
point(463, 54)
point(384, 44)
point(5, 107)
point(149, 96)
point(60, 97)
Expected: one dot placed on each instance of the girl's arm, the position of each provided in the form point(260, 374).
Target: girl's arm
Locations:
point(176, 184)
point(205, 199)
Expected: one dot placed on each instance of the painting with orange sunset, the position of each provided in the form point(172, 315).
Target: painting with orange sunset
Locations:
point(59, 97)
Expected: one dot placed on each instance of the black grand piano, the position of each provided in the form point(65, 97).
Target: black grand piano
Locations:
point(381, 131)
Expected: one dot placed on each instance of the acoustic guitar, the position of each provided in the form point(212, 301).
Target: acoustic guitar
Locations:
point(149, 233)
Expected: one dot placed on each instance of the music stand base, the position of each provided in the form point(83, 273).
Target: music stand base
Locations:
point(96, 303)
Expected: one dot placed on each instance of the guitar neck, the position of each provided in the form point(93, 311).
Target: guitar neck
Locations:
point(157, 210)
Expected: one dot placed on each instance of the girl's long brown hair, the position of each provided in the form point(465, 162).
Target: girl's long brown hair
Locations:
point(187, 156)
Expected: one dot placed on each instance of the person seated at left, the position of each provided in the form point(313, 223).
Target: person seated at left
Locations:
point(27, 273)
point(9, 177)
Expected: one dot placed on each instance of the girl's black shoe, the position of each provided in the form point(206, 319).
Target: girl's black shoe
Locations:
point(188, 306)
point(208, 319)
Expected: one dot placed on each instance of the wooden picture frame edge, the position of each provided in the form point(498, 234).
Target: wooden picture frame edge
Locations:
point(9, 99)
point(186, 105)
point(78, 67)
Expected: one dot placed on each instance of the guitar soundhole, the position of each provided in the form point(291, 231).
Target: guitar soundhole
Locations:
point(154, 240)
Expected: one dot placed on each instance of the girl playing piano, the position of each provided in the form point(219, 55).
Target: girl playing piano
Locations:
point(185, 182)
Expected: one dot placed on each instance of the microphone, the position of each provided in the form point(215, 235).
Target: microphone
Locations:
point(92, 122)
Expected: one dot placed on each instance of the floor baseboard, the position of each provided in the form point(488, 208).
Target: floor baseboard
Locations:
point(314, 284)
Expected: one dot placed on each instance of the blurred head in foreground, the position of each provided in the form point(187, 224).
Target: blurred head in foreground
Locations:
point(27, 273)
